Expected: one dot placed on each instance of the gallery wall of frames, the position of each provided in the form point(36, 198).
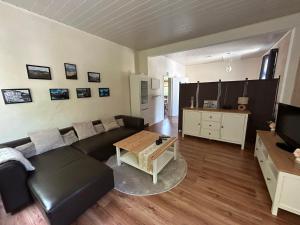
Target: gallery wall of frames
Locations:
point(23, 95)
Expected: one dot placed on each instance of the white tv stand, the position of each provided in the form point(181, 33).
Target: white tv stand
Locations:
point(281, 173)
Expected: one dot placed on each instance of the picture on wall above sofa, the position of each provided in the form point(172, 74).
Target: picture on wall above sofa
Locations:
point(94, 77)
point(104, 92)
point(14, 96)
point(83, 92)
point(38, 72)
point(59, 94)
point(71, 71)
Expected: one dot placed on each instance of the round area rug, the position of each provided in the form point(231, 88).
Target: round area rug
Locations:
point(132, 181)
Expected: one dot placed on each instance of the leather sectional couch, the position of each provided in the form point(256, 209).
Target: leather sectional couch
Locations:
point(67, 180)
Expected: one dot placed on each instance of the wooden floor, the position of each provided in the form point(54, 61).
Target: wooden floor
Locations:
point(223, 186)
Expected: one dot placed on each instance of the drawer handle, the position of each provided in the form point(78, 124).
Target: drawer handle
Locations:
point(268, 178)
point(261, 161)
point(222, 126)
point(210, 117)
point(198, 124)
point(209, 133)
point(210, 125)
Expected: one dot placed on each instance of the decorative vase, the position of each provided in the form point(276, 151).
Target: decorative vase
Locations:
point(192, 102)
point(219, 94)
point(197, 95)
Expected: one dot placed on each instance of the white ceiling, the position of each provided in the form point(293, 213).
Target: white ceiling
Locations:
point(246, 48)
point(142, 24)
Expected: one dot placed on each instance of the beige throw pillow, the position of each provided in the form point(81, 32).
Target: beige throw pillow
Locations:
point(28, 149)
point(84, 129)
point(110, 124)
point(120, 122)
point(46, 140)
point(70, 137)
point(99, 128)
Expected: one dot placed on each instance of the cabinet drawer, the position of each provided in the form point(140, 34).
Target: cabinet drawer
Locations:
point(270, 180)
point(211, 134)
point(211, 125)
point(211, 116)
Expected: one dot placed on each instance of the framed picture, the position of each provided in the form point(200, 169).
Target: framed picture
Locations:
point(104, 92)
point(94, 77)
point(14, 96)
point(83, 92)
point(38, 72)
point(71, 71)
point(59, 94)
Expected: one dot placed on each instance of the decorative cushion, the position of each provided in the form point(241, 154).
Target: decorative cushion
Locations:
point(69, 137)
point(9, 154)
point(99, 128)
point(28, 149)
point(110, 124)
point(84, 129)
point(120, 122)
point(46, 140)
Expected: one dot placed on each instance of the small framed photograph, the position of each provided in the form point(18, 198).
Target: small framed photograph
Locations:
point(71, 71)
point(83, 92)
point(59, 94)
point(94, 77)
point(104, 92)
point(14, 96)
point(38, 72)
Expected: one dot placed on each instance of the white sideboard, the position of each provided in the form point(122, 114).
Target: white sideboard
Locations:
point(222, 125)
point(281, 173)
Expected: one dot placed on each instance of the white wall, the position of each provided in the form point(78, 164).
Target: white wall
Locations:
point(212, 72)
point(30, 39)
point(157, 68)
point(283, 23)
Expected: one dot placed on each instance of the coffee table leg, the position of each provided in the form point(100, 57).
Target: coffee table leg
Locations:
point(118, 156)
point(154, 164)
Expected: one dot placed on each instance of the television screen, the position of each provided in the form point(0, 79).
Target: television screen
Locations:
point(288, 125)
point(264, 68)
point(268, 65)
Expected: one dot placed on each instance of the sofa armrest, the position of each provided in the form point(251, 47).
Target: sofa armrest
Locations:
point(136, 123)
point(13, 186)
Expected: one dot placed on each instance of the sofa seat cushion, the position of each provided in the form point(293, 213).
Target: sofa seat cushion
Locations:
point(101, 146)
point(67, 182)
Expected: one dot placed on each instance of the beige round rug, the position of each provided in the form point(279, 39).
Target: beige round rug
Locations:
point(132, 181)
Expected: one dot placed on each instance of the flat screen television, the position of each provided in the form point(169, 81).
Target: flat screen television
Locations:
point(268, 65)
point(288, 127)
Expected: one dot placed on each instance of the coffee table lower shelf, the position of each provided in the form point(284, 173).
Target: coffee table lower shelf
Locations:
point(158, 164)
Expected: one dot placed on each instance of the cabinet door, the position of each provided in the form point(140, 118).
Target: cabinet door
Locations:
point(232, 128)
point(191, 122)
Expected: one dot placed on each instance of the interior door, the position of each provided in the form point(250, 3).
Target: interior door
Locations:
point(191, 122)
point(232, 128)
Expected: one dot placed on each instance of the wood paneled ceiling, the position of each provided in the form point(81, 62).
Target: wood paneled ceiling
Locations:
point(142, 24)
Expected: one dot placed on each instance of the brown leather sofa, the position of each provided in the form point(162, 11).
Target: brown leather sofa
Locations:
point(67, 180)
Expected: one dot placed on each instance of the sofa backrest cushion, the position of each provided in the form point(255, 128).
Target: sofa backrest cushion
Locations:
point(46, 140)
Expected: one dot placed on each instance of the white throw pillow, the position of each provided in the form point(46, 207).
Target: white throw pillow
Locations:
point(70, 137)
point(46, 140)
point(110, 124)
point(120, 122)
point(28, 149)
point(11, 154)
point(84, 129)
point(99, 128)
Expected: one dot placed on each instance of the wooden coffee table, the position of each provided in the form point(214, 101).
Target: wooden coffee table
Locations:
point(142, 152)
